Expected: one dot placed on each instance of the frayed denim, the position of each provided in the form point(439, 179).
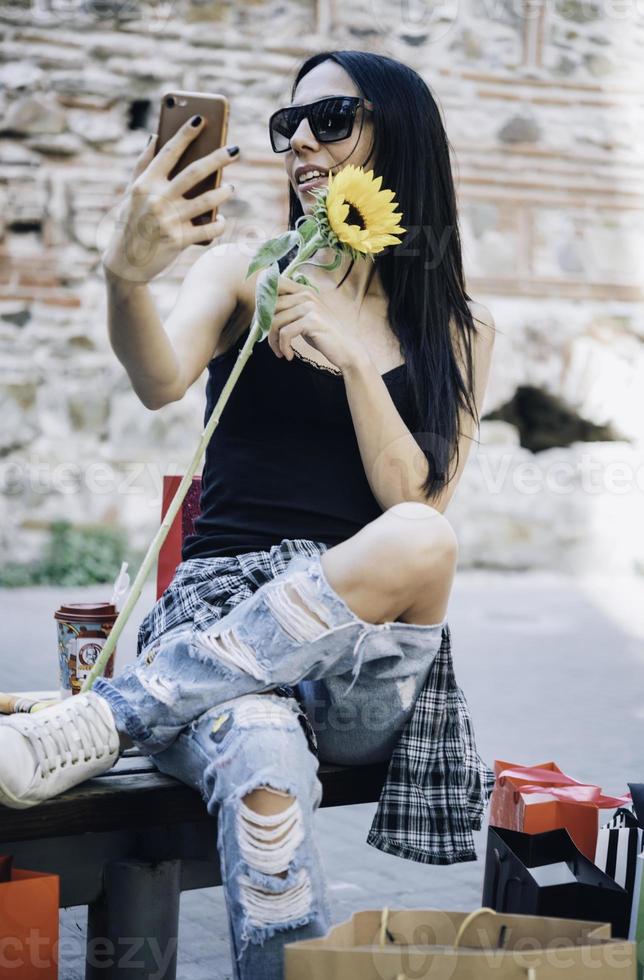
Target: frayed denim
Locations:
point(200, 703)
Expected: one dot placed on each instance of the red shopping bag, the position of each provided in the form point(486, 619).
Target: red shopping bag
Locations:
point(534, 799)
point(181, 527)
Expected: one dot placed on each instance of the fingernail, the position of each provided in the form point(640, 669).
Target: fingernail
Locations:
point(195, 121)
point(150, 138)
point(232, 150)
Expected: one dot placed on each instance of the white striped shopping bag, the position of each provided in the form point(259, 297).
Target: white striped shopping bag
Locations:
point(620, 841)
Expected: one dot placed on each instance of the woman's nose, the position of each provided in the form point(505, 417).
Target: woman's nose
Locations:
point(303, 137)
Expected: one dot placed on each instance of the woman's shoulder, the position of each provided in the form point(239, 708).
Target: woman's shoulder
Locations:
point(482, 347)
point(483, 320)
point(484, 326)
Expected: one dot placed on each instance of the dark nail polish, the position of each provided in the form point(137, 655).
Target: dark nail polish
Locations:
point(232, 150)
point(195, 120)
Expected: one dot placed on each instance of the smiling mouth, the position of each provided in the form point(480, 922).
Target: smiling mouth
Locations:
point(308, 185)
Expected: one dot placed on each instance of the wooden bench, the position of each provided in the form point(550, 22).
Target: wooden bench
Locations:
point(128, 842)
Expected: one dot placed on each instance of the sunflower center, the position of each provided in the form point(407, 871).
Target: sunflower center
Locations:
point(354, 217)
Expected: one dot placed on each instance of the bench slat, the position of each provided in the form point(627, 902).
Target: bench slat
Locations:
point(135, 795)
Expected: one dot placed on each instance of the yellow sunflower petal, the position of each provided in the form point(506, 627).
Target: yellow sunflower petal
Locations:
point(373, 211)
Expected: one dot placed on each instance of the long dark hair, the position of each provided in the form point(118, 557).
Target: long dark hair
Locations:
point(423, 276)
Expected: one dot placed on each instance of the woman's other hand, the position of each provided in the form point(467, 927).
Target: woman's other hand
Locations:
point(301, 311)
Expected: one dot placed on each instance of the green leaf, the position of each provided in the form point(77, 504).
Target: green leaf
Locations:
point(304, 281)
point(266, 298)
point(337, 258)
point(273, 250)
point(307, 229)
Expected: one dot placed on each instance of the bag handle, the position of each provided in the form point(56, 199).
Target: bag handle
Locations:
point(536, 779)
point(530, 971)
point(384, 932)
point(501, 902)
point(470, 918)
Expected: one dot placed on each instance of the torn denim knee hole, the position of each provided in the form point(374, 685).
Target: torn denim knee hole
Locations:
point(297, 609)
point(156, 685)
point(266, 909)
point(268, 842)
point(231, 651)
point(254, 710)
point(268, 846)
point(249, 711)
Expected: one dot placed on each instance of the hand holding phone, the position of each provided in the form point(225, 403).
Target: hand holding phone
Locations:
point(177, 108)
point(171, 200)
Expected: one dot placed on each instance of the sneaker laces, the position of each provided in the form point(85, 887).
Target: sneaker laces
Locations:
point(59, 740)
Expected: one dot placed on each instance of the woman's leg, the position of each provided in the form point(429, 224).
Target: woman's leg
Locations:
point(309, 621)
point(399, 567)
point(250, 760)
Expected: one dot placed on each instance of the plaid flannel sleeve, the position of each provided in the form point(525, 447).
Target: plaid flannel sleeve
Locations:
point(437, 786)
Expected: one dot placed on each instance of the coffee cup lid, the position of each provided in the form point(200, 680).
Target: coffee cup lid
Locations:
point(80, 611)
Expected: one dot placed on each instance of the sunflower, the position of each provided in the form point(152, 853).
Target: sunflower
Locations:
point(353, 213)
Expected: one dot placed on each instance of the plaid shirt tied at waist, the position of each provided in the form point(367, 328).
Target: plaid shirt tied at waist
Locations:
point(437, 786)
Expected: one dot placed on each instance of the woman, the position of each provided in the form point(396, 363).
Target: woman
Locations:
point(322, 557)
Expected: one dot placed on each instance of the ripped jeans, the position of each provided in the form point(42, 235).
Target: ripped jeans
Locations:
point(201, 704)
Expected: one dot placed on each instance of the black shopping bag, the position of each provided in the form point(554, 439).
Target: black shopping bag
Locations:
point(546, 874)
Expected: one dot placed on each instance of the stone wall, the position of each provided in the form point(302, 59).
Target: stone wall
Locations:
point(543, 106)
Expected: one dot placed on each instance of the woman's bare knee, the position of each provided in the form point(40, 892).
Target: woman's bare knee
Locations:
point(379, 570)
point(418, 538)
point(268, 801)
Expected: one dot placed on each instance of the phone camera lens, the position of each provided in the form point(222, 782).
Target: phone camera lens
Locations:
point(169, 101)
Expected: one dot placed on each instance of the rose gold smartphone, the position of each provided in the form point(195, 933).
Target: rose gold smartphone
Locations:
point(176, 109)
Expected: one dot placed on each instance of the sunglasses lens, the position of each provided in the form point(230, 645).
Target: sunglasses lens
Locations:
point(333, 119)
point(282, 126)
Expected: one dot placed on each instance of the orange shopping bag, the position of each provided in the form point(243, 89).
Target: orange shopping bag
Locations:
point(28, 923)
point(534, 799)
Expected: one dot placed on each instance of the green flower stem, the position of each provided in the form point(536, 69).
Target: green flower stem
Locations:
point(155, 546)
point(306, 252)
point(152, 553)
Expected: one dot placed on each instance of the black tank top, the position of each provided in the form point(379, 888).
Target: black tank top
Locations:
point(284, 460)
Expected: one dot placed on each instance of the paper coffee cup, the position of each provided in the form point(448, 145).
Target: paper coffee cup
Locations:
point(83, 628)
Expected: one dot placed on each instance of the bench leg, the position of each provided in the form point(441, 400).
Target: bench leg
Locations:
point(133, 928)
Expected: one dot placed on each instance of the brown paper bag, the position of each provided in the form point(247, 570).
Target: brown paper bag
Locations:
point(437, 945)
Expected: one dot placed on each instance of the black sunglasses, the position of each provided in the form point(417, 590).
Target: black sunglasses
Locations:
point(330, 120)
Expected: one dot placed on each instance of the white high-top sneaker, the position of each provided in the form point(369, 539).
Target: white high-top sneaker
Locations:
point(47, 752)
